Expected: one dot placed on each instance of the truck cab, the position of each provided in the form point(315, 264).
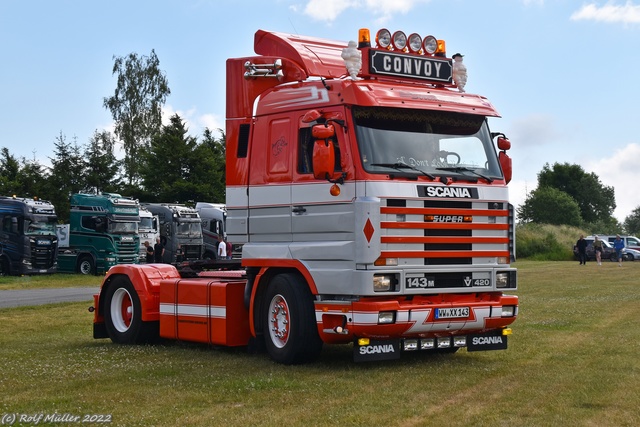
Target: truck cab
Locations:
point(28, 241)
point(102, 232)
point(180, 231)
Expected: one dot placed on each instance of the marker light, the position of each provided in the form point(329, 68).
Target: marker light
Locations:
point(415, 43)
point(399, 40)
point(383, 38)
point(430, 45)
point(442, 49)
point(364, 38)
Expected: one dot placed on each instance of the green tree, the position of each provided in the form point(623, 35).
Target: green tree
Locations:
point(596, 201)
point(167, 170)
point(101, 164)
point(67, 174)
point(136, 106)
point(9, 173)
point(548, 205)
point(632, 222)
point(212, 168)
point(33, 180)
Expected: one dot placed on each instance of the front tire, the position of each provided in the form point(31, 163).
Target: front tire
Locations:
point(123, 314)
point(289, 321)
point(86, 266)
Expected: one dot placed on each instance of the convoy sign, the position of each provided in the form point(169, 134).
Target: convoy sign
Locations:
point(418, 67)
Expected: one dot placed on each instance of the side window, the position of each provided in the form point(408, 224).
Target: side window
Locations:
point(633, 242)
point(11, 224)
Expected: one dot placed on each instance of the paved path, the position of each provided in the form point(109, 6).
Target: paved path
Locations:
point(17, 298)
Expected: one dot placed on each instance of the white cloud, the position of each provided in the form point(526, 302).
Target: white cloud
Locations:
point(621, 172)
point(628, 13)
point(194, 122)
point(329, 10)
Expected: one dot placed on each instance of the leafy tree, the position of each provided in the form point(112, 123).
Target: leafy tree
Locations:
point(632, 222)
point(67, 174)
point(101, 164)
point(9, 173)
point(33, 180)
point(167, 167)
point(596, 201)
point(136, 105)
point(548, 205)
point(213, 171)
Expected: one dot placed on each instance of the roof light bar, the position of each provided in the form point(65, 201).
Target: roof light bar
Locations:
point(399, 40)
point(383, 38)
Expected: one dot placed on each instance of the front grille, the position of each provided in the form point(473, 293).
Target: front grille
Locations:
point(191, 252)
point(444, 232)
point(43, 257)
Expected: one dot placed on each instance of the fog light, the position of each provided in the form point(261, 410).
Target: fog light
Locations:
point(386, 317)
point(363, 341)
point(410, 345)
point(444, 342)
point(460, 341)
point(427, 344)
point(508, 311)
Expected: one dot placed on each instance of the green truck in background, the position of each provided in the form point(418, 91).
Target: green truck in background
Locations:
point(102, 232)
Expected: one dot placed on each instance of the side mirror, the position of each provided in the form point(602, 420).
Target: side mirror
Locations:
point(503, 143)
point(324, 154)
point(505, 162)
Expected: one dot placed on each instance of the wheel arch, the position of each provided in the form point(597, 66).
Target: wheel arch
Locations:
point(260, 284)
point(145, 279)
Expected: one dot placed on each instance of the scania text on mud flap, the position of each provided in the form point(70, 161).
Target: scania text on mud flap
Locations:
point(370, 200)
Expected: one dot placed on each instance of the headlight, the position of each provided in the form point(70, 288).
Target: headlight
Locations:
point(383, 283)
point(502, 280)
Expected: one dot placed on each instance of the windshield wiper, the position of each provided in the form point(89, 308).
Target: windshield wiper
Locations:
point(400, 166)
point(465, 169)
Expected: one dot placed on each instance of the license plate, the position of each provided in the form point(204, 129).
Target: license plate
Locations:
point(450, 313)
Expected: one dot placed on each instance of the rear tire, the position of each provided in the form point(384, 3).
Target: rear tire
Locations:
point(123, 315)
point(289, 321)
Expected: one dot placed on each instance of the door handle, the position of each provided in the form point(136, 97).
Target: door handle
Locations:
point(298, 210)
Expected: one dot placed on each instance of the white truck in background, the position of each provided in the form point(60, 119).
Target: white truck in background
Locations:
point(148, 230)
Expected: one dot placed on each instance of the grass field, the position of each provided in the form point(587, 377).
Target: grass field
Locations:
point(573, 360)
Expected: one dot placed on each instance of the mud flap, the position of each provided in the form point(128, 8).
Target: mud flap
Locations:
point(376, 350)
point(487, 341)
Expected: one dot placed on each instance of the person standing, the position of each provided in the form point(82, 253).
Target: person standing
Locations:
point(149, 252)
point(222, 248)
point(618, 245)
point(597, 247)
point(581, 244)
point(229, 248)
point(158, 251)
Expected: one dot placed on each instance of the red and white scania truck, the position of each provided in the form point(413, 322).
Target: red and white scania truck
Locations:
point(371, 205)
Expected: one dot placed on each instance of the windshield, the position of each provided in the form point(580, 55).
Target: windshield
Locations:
point(425, 142)
point(189, 229)
point(40, 226)
point(123, 227)
point(146, 223)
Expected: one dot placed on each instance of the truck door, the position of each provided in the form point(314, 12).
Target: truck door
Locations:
point(317, 214)
point(271, 179)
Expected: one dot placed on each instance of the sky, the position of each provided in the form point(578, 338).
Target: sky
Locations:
point(560, 72)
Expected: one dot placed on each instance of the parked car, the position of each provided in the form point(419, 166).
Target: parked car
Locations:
point(607, 250)
point(628, 254)
point(630, 242)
